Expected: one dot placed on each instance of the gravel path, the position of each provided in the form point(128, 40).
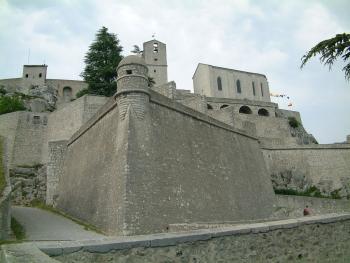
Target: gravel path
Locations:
point(44, 225)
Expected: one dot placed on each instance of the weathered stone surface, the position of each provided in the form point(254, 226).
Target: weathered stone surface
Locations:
point(323, 239)
point(24, 253)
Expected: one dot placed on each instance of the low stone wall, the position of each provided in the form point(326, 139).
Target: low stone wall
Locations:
point(5, 194)
point(293, 206)
point(308, 239)
point(324, 167)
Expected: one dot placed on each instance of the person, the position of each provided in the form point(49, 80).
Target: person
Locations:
point(307, 211)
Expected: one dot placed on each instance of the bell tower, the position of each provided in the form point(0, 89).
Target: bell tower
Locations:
point(154, 54)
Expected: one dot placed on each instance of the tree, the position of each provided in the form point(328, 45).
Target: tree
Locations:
point(136, 50)
point(330, 50)
point(101, 63)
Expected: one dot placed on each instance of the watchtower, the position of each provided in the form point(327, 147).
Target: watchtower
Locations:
point(33, 75)
point(154, 54)
point(132, 84)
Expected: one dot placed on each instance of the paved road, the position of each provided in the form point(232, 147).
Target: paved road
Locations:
point(44, 225)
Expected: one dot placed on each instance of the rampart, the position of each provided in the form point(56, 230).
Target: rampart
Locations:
point(299, 167)
point(138, 174)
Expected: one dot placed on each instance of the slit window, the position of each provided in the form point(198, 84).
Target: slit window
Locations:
point(253, 86)
point(36, 120)
point(238, 86)
point(262, 89)
point(40, 75)
point(27, 76)
point(218, 80)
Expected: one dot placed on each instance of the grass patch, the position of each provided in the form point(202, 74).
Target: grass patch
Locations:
point(17, 229)
point(312, 191)
point(2, 169)
point(293, 122)
point(39, 204)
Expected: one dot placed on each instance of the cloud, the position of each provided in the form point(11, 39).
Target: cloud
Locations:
point(268, 37)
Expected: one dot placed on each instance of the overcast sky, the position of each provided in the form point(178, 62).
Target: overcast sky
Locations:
point(267, 37)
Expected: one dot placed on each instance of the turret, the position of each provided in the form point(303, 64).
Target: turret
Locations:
point(132, 85)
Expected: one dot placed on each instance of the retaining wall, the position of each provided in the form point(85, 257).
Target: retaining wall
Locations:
point(309, 239)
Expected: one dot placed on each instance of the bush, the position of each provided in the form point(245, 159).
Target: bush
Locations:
point(11, 104)
point(293, 122)
point(17, 229)
point(82, 93)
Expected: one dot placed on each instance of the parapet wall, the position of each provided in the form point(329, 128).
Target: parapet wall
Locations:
point(307, 239)
point(298, 167)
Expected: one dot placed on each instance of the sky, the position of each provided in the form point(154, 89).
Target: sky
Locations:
point(267, 37)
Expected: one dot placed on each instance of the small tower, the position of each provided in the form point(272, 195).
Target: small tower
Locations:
point(133, 91)
point(33, 75)
point(154, 53)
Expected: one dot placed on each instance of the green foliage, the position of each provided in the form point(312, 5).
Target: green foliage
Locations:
point(17, 229)
point(136, 50)
point(82, 92)
point(312, 191)
point(2, 90)
point(330, 50)
point(10, 104)
point(2, 169)
point(293, 122)
point(101, 62)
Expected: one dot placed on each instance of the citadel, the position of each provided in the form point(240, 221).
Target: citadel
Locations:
point(161, 159)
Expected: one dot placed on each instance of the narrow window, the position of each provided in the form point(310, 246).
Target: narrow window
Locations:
point(218, 80)
point(128, 71)
point(36, 120)
point(209, 107)
point(40, 75)
point(154, 71)
point(238, 86)
point(27, 76)
point(224, 106)
point(253, 86)
point(156, 59)
point(262, 90)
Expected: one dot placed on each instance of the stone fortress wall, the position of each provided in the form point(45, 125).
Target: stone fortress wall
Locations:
point(35, 138)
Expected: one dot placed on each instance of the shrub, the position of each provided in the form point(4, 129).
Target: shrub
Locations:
point(293, 122)
point(17, 229)
point(82, 93)
point(11, 104)
point(2, 90)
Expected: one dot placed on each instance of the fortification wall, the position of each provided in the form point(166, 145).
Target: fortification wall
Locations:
point(29, 138)
point(167, 89)
point(11, 84)
point(59, 84)
point(55, 169)
point(8, 127)
point(5, 192)
point(93, 184)
point(193, 173)
point(63, 123)
point(325, 166)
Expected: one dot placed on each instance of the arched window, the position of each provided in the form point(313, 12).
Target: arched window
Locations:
point(263, 112)
point(253, 86)
point(40, 75)
point(224, 106)
point(245, 110)
point(218, 80)
point(67, 94)
point(209, 107)
point(238, 86)
point(262, 90)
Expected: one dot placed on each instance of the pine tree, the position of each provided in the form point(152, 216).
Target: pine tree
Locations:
point(101, 63)
point(330, 50)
